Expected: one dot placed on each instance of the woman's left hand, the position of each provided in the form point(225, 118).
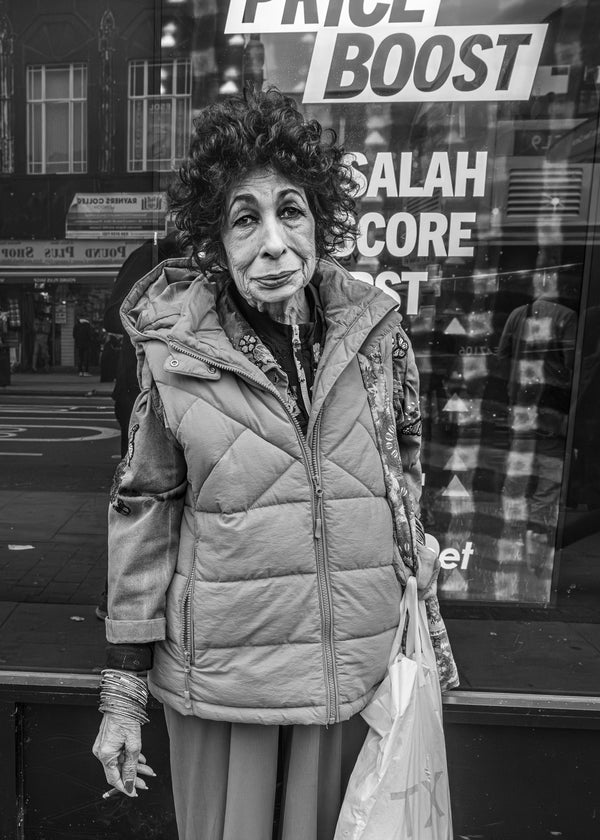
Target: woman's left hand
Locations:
point(142, 769)
point(118, 748)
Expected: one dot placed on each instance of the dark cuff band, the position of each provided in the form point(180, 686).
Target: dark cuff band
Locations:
point(129, 657)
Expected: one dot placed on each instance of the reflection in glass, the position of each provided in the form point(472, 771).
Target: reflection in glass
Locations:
point(536, 353)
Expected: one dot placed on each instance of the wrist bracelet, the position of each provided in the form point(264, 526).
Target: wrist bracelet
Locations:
point(124, 694)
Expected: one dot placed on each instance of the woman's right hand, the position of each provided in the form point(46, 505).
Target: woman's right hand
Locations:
point(118, 748)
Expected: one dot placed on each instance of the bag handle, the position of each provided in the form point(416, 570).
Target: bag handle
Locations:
point(413, 636)
point(408, 616)
point(419, 646)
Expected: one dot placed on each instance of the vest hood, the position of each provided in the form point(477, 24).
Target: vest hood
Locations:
point(174, 303)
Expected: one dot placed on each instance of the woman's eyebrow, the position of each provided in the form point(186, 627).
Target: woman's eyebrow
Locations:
point(290, 191)
point(241, 198)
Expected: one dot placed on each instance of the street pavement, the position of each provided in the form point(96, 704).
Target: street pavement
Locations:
point(52, 556)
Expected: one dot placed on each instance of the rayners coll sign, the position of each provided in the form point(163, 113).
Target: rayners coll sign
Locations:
point(367, 51)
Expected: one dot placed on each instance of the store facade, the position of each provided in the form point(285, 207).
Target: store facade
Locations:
point(82, 164)
point(45, 285)
point(473, 134)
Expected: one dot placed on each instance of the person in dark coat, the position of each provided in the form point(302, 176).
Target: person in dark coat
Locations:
point(83, 338)
point(109, 356)
point(138, 263)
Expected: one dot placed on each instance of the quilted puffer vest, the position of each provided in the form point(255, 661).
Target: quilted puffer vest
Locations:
point(285, 599)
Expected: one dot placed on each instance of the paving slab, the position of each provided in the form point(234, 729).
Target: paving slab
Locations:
point(68, 559)
point(51, 637)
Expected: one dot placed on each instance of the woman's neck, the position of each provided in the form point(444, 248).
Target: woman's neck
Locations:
point(294, 310)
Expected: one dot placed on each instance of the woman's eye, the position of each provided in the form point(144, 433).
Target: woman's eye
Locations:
point(243, 221)
point(291, 212)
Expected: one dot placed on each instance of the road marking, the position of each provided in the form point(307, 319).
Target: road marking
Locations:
point(74, 413)
point(27, 454)
point(54, 407)
point(8, 433)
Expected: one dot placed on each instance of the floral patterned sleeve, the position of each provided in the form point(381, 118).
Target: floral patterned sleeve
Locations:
point(407, 412)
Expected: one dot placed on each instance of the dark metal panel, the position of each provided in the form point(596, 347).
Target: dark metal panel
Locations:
point(520, 766)
point(511, 783)
point(8, 787)
point(64, 783)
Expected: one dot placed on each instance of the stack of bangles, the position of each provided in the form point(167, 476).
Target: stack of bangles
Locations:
point(123, 694)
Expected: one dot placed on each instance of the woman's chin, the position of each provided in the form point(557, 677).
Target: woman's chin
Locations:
point(266, 295)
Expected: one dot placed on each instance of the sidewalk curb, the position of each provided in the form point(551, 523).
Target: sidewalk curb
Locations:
point(63, 392)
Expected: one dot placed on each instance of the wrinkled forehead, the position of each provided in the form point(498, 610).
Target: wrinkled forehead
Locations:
point(262, 184)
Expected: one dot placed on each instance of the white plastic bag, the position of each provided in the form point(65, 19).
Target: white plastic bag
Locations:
point(399, 786)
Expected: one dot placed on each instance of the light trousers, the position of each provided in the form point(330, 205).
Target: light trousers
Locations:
point(227, 786)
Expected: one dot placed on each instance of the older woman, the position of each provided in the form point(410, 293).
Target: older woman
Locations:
point(262, 522)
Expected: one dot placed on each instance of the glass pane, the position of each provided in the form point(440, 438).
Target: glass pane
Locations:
point(57, 137)
point(475, 212)
point(182, 77)
point(79, 82)
point(137, 79)
point(79, 133)
point(474, 133)
point(159, 129)
point(34, 141)
point(166, 79)
point(182, 127)
point(136, 134)
point(154, 81)
point(34, 81)
point(57, 83)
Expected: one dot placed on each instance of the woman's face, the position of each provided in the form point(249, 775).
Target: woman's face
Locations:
point(269, 239)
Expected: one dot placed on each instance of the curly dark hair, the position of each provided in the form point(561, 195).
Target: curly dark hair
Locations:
point(259, 129)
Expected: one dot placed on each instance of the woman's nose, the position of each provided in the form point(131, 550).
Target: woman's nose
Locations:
point(273, 239)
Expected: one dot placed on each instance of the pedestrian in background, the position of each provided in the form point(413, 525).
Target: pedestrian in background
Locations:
point(41, 355)
point(264, 519)
point(109, 356)
point(137, 264)
point(83, 338)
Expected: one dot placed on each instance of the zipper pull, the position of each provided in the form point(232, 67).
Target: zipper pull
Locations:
point(319, 511)
point(186, 691)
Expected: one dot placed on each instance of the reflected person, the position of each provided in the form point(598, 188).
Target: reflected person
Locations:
point(536, 354)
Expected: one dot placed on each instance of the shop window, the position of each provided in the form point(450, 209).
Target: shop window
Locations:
point(57, 119)
point(159, 114)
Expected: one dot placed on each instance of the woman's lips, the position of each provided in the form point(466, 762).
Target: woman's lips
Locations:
point(273, 281)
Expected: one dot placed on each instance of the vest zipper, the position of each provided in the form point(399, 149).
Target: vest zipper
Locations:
point(187, 635)
point(326, 599)
point(312, 466)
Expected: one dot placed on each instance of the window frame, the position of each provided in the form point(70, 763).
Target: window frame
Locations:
point(37, 110)
point(180, 107)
